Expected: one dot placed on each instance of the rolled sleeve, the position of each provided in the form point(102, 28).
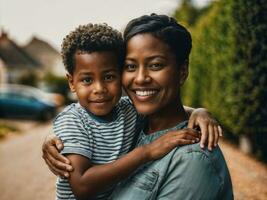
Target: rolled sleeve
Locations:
point(76, 139)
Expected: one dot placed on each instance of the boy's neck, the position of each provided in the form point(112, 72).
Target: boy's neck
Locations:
point(107, 118)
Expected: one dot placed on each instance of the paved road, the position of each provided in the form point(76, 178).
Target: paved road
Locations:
point(24, 176)
point(249, 176)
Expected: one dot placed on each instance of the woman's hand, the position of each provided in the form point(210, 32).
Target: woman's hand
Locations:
point(57, 163)
point(167, 142)
point(209, 127)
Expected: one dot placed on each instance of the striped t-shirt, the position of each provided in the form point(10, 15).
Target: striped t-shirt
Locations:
point(100, 141)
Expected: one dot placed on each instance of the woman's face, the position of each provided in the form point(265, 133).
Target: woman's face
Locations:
point(151, 76)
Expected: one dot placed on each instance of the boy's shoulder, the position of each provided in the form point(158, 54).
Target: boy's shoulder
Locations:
point(73, 110)
point(125, 102)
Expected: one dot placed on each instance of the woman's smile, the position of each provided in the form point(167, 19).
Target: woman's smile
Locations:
point(151, 75)
point(145, 94)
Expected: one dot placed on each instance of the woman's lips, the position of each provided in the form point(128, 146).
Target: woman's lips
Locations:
point(145, 95)
point(145, 92)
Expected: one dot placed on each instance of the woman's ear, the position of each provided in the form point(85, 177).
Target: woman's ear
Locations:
point(183, 73)
point(70, 80)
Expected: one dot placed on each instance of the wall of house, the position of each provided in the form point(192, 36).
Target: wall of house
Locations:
point(58, 68)
point(3, 73)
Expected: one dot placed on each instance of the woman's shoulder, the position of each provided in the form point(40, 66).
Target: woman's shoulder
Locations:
point(193, 153)
point(195, 148)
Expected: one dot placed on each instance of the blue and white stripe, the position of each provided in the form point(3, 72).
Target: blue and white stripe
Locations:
point(101, 142)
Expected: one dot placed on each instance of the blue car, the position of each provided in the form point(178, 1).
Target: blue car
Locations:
point(25, 103)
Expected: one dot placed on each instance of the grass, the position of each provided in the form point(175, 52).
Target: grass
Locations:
point(5, 129)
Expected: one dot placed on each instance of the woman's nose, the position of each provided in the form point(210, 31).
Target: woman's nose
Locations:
point(142, 76)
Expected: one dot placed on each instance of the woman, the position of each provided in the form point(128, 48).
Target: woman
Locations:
point(156, 66)
point(158, 49)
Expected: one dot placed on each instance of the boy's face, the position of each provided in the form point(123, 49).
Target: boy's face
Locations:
point(96, 81)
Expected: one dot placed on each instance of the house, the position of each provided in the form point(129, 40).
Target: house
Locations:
point(15, 63)
point(47, 55)
point(3, 74)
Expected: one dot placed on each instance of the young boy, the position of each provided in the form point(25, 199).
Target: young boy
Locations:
point(101, 127)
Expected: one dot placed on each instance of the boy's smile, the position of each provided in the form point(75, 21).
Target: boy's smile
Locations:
point(96, 81)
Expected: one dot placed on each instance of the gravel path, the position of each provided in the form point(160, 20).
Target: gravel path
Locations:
point(24, 176)
point(249, 176)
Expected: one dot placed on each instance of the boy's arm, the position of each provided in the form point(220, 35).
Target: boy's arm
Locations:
point(209, 127)
point(87, 180)
point(188, 110)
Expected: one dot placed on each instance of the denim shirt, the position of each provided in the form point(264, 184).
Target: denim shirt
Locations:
point(187, 172)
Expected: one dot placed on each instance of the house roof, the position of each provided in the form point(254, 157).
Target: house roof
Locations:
point(42, 51)
point(15, 56)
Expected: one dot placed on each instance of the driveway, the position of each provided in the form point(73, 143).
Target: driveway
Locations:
point(23, 173)
point(24, 176)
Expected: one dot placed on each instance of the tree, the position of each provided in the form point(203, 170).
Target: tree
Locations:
point(249, 101)
point(187, 14)
point(228, 67)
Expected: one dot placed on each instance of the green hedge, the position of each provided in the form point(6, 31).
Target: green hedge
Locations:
point(228, 67)
point(57, 84)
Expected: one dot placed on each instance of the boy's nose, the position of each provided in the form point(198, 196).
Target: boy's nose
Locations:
point(99, 87)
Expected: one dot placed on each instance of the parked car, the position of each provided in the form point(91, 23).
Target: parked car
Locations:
point(18, 101)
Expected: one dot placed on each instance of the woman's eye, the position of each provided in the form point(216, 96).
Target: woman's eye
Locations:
point(130, 67)
point(156, 66)
point(87, 80)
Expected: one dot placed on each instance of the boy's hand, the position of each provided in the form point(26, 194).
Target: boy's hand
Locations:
point(167, 142)
point(209, 127)
point(57, 163)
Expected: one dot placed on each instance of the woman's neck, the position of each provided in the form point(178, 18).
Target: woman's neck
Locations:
point(167, 117)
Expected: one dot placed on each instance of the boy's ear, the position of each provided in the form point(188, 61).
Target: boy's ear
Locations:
point(70, 80)
point(183, 73)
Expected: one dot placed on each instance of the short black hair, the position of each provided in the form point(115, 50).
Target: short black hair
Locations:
point(91, 38)
point(164, 28)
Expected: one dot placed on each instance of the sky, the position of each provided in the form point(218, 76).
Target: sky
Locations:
point(51, 20)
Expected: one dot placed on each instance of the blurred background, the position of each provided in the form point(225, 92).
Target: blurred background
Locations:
point(228, 76)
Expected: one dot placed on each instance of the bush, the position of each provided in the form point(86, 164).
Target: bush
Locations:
point(57, 84)
point(5, 129)
point(30, 78)
point(228, 67)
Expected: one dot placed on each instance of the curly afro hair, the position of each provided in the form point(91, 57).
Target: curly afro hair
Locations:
point(91, 38)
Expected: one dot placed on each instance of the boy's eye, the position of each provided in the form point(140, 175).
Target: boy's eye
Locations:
point(130, 67)
point(109, 77)
point(156, 66)
point(87, 80)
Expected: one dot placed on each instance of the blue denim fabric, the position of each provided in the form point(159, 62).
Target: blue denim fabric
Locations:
point(187, 172)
